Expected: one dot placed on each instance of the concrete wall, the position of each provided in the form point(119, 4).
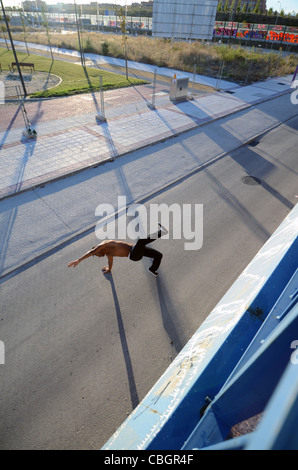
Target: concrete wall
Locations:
point(184, 19)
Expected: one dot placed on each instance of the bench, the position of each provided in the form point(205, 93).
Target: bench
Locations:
point(22, 64)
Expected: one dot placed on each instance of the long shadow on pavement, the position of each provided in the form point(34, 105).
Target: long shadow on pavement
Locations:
point(168, 313)
point(11, 216)
point(233, 202)
point(9, 127)
point(131, 380)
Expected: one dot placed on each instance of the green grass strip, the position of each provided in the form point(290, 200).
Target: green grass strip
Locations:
point(75, 78)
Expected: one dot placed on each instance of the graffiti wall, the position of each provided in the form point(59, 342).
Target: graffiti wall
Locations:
point(256, 32)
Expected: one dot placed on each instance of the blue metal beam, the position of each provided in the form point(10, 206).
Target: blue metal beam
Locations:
point(284, 304)
point(239, 443)
point(278, 428)
point(248, 393)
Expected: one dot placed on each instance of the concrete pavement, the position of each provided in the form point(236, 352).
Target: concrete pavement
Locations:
point(33, 224)
point(82, 349)
point(70, 141)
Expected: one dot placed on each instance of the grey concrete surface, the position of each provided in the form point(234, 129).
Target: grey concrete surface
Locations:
point(82, 349)
point(34, 222)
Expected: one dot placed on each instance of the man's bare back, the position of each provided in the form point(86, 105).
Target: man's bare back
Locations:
point(109, 248)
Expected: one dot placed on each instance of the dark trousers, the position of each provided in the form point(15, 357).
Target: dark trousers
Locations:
point(140, 249)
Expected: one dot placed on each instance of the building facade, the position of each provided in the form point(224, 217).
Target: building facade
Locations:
point(184, 19)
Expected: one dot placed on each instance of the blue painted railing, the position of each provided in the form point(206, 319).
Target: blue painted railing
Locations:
point(240, 363)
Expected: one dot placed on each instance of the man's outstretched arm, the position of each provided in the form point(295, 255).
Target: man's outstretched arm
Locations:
point(85, 256)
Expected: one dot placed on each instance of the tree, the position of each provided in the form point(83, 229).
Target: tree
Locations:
point(124, 36)
point(238, 8)
point(46, 25)
point(219, 6)
point(257, 8)
point(227, 6)
point(4, 30)
point(24, 30)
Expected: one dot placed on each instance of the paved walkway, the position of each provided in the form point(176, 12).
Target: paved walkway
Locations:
point(35, 81)
point(70, 139)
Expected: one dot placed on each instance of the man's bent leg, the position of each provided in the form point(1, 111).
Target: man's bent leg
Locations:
point(156, 256)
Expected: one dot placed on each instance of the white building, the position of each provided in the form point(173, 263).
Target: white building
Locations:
point(184, 19)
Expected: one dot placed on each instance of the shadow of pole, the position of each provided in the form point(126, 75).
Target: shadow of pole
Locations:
point(9, 127)
point(277, 195)
point(131, 381)
point(45, 87)
point(10, 217)
point(248, 218)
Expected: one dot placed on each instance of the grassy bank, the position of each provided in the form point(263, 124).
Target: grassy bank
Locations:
point(75, 78)
point(240, 65)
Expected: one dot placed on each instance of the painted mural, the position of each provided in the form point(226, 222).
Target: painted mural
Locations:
point(257, 32)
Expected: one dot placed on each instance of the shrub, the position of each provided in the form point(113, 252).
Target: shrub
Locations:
point(105, 48)
point(65, 45)
point(88, 47)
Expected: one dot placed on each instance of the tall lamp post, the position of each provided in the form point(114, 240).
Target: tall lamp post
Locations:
point(13, 49)
point(277, 16)
point(79, 36)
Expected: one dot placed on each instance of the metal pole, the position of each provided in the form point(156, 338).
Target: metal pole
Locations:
point(25, 37)
point(125, 42)
point(13, 49)
point(194, 78)
point(126, 68)
point(124, 37)
point(152, 106)
point(97, 20)
point(248, 72)
point(28, 133)
point(102, 101)
point(154, 89)
point(79, 37)
point(102, 116)
point(220, 75)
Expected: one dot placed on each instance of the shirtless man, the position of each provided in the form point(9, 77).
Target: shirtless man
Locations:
point(111, 248)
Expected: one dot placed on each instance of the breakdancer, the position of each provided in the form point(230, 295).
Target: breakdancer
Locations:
point(136, 252)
